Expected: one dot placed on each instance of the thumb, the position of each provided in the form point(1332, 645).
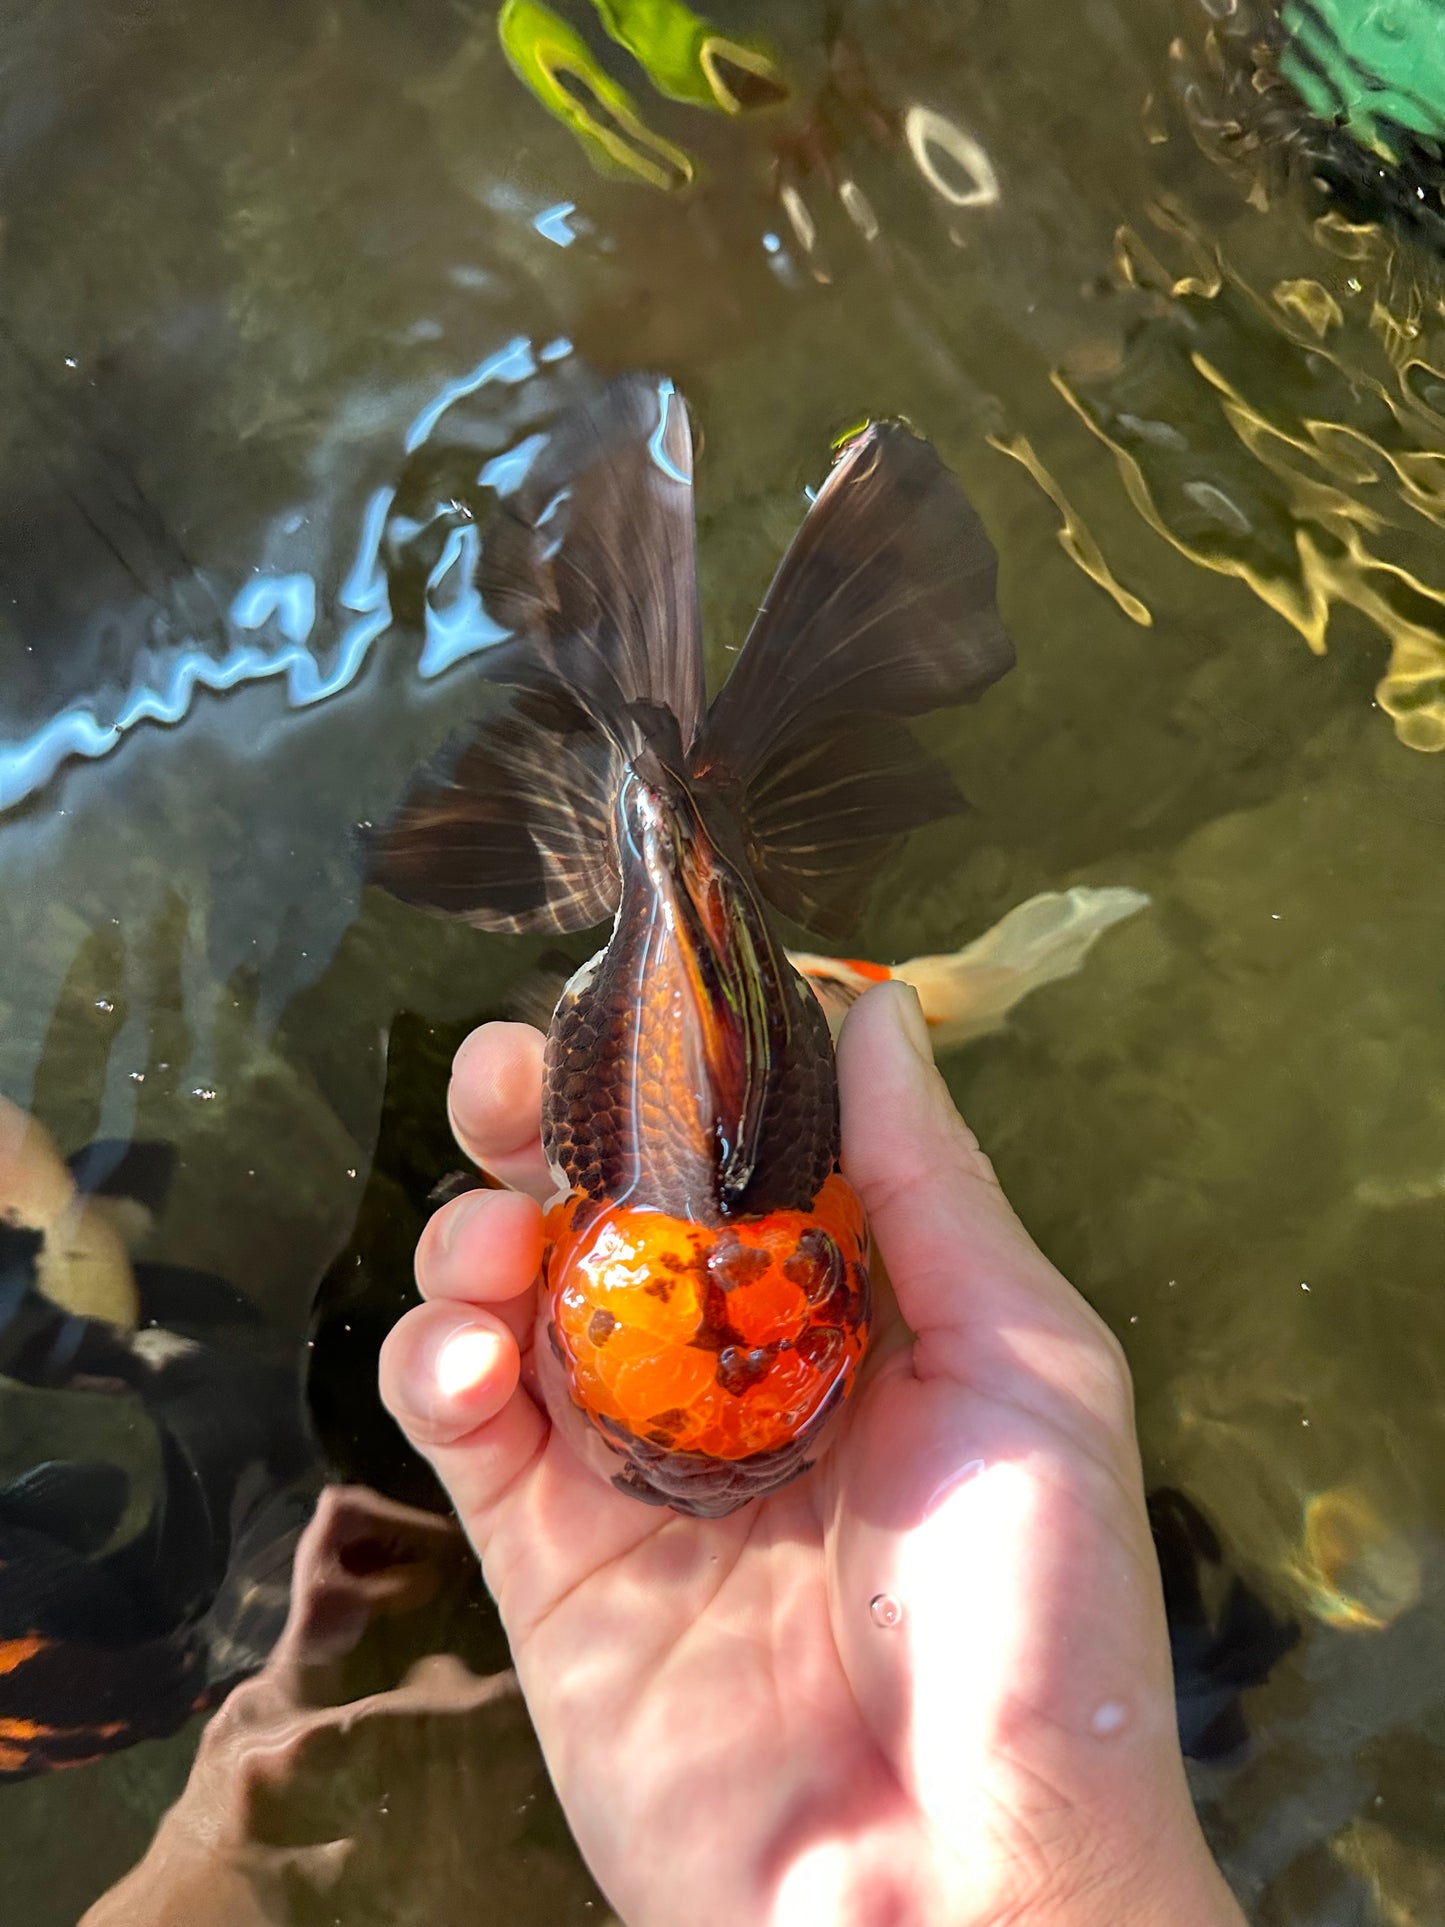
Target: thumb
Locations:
point(970, 1281)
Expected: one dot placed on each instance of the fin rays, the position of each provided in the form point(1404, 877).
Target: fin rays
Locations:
point(881, 609)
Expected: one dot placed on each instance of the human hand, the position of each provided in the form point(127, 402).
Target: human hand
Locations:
point(360, 1557)
point(734, 1735)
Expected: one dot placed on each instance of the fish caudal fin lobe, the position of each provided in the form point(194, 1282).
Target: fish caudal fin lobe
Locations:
point(882, 609)
point(971, 992)
point(591, 565)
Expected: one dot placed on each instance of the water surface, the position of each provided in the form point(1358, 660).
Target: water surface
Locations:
point(283, 285)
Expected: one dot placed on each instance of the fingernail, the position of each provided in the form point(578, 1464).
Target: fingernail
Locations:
point(455, 1216)
point(465, 1359)
point(912, 1025)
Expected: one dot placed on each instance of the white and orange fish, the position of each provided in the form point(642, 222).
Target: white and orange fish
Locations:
point(969, 993)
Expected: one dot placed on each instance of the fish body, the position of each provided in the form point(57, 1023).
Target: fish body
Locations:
point(107, 1639)
point(707, 1302)
point(965, 994)
point(1224, 1639)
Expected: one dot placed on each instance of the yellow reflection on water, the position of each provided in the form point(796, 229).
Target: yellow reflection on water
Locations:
point(1356, 1570)
point(1074, 538)
point(1298, 529)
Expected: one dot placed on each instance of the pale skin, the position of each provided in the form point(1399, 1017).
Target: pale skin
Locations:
point(734, 1736)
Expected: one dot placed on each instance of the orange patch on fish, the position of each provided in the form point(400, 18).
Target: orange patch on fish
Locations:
point(15, 1652)
point(874, 972)
point(726, 1341)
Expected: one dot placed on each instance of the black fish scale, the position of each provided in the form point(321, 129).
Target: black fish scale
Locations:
point(614, 1127)
point(800, 1141)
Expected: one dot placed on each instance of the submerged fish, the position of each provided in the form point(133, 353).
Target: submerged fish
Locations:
point(106, 1640)
point(968, 993)
point(1223, 1637)
point(707, 1301)
point(1355, 1569)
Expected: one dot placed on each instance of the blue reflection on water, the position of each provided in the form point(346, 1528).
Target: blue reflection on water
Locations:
point(290, 598)
point(285, 605)
point(507, 471)
point(456, 623)
point(665, 395)
point(551, 223)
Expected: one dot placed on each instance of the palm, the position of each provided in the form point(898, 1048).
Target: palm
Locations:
point(734, 1734)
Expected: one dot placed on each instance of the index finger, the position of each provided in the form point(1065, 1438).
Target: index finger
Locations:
point(495, 1105)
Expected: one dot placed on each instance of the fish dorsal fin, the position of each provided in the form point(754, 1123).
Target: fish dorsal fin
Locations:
point(882, 609)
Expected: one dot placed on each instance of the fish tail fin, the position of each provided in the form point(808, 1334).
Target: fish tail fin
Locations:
point(970, 992)
point(882, 609)
point(590, 565)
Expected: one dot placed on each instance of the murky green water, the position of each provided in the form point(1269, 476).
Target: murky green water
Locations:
point(276, 282)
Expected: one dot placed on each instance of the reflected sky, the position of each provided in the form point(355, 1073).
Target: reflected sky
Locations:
point(273, 617)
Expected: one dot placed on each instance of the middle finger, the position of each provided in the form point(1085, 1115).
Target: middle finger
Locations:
point(484, 1249)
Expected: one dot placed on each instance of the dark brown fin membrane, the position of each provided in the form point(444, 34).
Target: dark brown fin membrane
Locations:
point(882, 608)
point(519, 838)
point(826, 812)
point(591, 563)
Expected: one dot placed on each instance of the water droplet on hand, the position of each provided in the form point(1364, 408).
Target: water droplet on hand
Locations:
point(884, 1610)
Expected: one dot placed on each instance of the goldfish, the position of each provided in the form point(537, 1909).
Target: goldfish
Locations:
point(707, 1299)
point(968, 993)
point(1355, 1569)
point(113, 1631)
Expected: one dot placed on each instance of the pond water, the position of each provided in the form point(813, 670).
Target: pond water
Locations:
point(285, 284)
